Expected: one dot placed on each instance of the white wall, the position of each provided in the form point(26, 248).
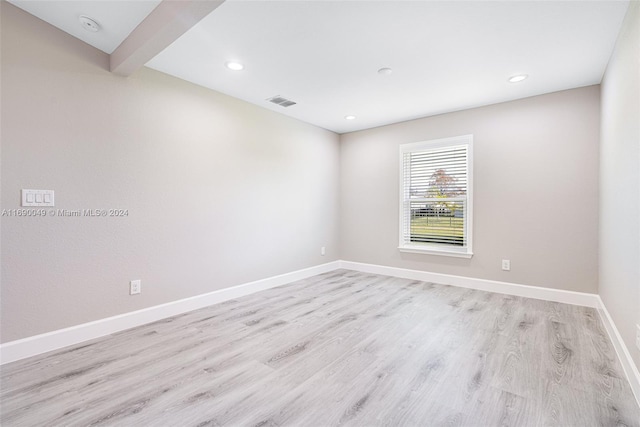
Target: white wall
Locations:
point(535, 191)
point(620, 182)
point(219, 192)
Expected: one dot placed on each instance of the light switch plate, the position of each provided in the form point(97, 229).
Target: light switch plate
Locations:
point(38, 198)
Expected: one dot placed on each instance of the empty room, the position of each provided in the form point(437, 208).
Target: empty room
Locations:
point(320, 213)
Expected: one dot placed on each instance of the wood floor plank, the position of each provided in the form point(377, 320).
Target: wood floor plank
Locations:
point(341, 348)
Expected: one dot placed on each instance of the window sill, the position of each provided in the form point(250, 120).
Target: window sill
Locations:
point(432, 251)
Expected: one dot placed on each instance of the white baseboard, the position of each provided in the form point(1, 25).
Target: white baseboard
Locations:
point(38, 344)
point(547, 294)
point(630, 369)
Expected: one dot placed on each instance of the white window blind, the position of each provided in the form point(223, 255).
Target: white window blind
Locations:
point(436, 199)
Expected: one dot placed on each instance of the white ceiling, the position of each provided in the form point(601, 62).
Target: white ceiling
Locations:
point(117, 18)
point(445, 55)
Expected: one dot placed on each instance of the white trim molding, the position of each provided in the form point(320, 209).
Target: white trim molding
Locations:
point(54, 340)
point(629, 367)
point(38, 344)
point(547, 294)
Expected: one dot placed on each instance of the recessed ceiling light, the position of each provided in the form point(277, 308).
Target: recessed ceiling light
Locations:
point(350, 117)
point(385, 71)
point(517, 78)
point(235, 66)
point(89, 24)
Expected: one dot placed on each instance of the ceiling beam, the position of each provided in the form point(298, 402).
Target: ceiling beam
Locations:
point(168, 21)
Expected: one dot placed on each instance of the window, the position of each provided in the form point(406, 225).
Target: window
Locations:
point(436, 196)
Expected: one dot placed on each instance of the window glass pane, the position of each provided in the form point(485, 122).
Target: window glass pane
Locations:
point(438, 173)
point(437, 222)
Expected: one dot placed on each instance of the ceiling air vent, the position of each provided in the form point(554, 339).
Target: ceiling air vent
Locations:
point(283, 102)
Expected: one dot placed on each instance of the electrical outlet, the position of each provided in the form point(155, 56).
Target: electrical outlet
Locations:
point(135, 287)
point(638, 336)
point(322, 251)
point(506, 265)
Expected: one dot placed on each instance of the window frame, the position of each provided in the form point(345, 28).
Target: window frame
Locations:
point(465, 251)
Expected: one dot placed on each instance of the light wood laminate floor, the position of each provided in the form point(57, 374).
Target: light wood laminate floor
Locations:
point(342, 348)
